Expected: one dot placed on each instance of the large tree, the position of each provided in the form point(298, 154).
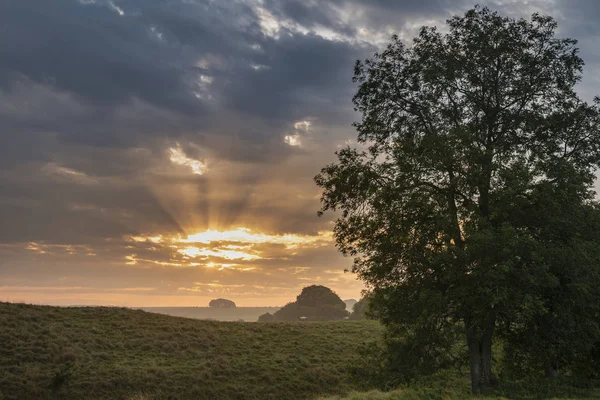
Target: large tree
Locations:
point(461, 133)
point(563, 335)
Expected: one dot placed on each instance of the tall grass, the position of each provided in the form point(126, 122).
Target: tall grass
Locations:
point(113, 353)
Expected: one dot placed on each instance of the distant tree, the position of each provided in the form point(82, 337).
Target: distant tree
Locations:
point(361, 309)
point(221, 303)
point(293, 311)
point(289, 312)
point(266, 317)
point(316, 303)
point(317, 295)
point(465, 131)
point(350, 303)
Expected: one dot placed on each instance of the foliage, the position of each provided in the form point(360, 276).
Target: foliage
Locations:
point(294, 311)
point(350, 303)
point(564, 336)
point(62, 377)
point(112, 353)
point(221, 303)
point(446, 213)
point(315, 303)
point(404, 357)
point(362, 309)
point(317, 295)
point(267, 317)
point(217, 314)
point(359, 310)
point(447, 385)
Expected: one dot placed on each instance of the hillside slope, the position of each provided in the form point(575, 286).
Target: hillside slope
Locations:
point(112, 353)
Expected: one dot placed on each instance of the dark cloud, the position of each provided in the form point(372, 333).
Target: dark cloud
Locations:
point(347, 16)
point(95, 95)
point(92, 52)
point(92, 76)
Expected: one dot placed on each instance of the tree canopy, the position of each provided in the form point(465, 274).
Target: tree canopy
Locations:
point(221, 303)
point(317, 296)
point(360, 310)
point(316, 303)
point(350, 303)
point(475, 149)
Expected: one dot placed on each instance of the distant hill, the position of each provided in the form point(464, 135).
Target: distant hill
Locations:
point(116, 353)
point(350, 303)
point(221, 303)
point(248, 314)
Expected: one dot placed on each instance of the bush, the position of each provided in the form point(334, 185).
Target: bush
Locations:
point(267, 317)
point(315, 303)
point(317, 296)
point(221, 303)
point(362, 309)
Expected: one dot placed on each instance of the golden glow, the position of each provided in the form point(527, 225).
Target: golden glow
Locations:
point(207, 248)
point(69, 249)
point(292, 140)
point(245, 235)
point(194, 252)
point(73, 288)
point(302, 126)
point(134, 260)
point(177, 156)
point(153, 239)
point(220, 266)
point(35, 247)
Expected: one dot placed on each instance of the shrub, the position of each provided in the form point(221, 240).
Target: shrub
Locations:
point(221, 303)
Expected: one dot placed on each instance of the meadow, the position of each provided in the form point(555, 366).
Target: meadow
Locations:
point(116, 353)
point(248, 314)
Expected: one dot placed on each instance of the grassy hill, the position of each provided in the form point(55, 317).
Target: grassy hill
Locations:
point(112, 353)
point(412, 394)
point(248, 314)
point(449, 385)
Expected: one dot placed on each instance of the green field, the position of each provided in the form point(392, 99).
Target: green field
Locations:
point(415, 394)
point(115, 353)
point(248, 314)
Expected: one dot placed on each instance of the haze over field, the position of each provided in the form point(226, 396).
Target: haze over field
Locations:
point(162, 153)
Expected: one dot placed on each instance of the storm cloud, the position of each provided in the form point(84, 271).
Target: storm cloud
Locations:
point(165, 118)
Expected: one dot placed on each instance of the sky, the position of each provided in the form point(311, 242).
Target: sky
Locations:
point(162, 152)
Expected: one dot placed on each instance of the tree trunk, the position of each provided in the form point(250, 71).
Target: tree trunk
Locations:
point(479, 341)
point(552, 371)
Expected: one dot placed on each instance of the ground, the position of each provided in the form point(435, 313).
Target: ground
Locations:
point(115, 353)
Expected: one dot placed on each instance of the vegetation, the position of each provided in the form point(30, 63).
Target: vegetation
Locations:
point(249, 314)
point(350, 303)
point(471, 213)
point(111, 353)
point(470, 216)
point(430, 394)
point(221, 303)
point(315, 303)
point(454, 389)
point(360, 310)
point(452, 385)
point(266, 317)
